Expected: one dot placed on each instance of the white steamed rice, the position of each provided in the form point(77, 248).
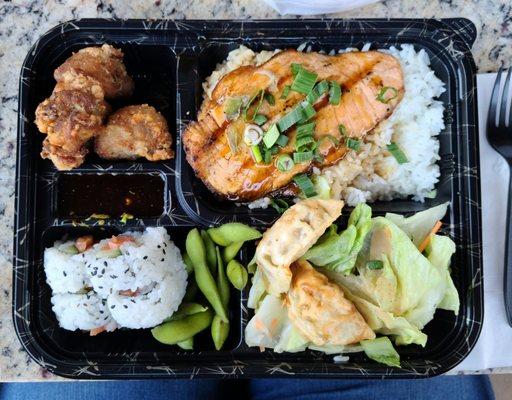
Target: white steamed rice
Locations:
point(373, 173)
point(138, 287)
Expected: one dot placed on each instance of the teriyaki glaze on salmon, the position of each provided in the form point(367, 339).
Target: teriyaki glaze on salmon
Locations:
point(265, 127)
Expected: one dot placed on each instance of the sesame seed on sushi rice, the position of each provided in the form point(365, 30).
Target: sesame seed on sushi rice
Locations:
point(140, 276)
point(87, 312)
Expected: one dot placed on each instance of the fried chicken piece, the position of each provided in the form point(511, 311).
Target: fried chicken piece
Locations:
point(70, 117)
point(133, 132)
point(104, 64)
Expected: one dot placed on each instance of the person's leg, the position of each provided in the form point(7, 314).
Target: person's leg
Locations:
point(445, 388)
point(204, 389)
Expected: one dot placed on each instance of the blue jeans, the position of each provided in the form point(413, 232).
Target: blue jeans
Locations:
point(445, 388)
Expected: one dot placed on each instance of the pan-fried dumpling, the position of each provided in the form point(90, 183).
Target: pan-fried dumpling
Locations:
point(290, 237)
point(320, 311)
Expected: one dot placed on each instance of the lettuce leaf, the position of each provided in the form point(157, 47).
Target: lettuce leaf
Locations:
point(338, 252)
point(419, 225)
point(382, 351)
point(439, 252)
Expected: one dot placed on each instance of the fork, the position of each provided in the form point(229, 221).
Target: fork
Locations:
point(499, 135)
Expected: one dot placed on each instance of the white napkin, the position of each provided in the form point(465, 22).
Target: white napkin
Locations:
point(309, 7)
point(494, 347)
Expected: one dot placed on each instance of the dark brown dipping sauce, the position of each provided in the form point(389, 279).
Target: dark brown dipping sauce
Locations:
point(79, 196)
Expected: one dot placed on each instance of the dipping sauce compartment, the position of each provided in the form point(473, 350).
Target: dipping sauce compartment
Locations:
point(81, 195)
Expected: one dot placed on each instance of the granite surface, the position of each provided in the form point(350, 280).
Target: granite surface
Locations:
point(23, 21)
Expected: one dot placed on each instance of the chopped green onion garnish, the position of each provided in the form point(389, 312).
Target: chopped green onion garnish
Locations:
point(302, 156)
point(317, 156)
point(343, 130)
point(286, 92)
point(306, 129)
point(399, 155)
point(432, 194)
point(302, 141)
point(296, 68)
point(334, 93)
point(322, 87)
point(312, 96)
point(279, 205)
point(234, 138)
point(304, 81)
point(274, 149)
point(232, 107)
point(260, 119)
point(305, 184)
point(353, 144)
point(386, 94)
point(284, 163)
point(375, 264)
point(125, 217)
point(307, 110)
point(282, 140)
point(329, 138)
point(271, 136)
point(256, 153)
point(245, 112)
point(267, 156)
point(253, 134)
point(270, 99)
point(290, 119)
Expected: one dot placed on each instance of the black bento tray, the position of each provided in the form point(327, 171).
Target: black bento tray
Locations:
point(168, 61)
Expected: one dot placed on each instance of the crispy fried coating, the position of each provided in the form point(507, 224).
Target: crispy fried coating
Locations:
point(71, 117)
point(133, 132)
point(104, 64)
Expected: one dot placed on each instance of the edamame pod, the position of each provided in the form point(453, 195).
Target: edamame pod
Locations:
point(188, 263)
point(187, 344)
point(222, 281)
point(187, 309)
point(237, 274)
point(191, 292)
point(233, 232)
point(211, 257)
point(174, 332)
point(220, 332)
point(230, 252)
point(204, 278)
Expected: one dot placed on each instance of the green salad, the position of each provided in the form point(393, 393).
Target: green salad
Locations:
point(395, 270)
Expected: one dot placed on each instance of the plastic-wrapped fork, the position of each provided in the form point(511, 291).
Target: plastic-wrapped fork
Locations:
point(499, 135)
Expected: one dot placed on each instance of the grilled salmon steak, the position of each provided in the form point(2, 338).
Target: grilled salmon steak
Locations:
point(266, 125)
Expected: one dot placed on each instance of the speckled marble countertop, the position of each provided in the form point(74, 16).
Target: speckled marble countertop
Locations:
point(23, 21)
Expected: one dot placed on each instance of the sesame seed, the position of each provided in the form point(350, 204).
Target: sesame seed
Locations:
point(145, 257)
point(162, 260)
point(125, 306)
point(105, 263)
point(113, 306)
point(64, 273)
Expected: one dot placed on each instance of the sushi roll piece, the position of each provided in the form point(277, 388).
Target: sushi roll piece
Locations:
point(65, 268)
point(87, 312)
point(150, 307)
point(128, 263)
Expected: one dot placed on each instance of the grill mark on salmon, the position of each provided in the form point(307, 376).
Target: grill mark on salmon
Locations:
point(237, 176)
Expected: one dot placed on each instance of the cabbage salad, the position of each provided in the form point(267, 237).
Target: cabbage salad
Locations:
point(395, 270)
